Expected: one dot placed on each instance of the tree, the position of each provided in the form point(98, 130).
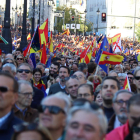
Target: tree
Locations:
point(138, 31)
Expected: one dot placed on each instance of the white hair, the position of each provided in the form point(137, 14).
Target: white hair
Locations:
point(12, 66)
point(120, 66)
point(122, 75)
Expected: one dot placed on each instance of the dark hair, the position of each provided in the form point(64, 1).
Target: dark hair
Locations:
point(65, 68)
point(19, 49)
point(130, 73)
point(15, 83)
point(56, 64)
point(40, 64)
point(87, 86)
point(26, 64)
point(75, 64)
point(5, 61)
point(82, 66)
point(91, 67)
point(37, 70)
point(135, 62)
point(62, 57)
point(111, 78)
point(134, 100)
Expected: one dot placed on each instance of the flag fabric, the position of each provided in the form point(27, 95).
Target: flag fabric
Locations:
point(43, 32)
point(126, 52)
point(35, 43)
point(138, 50)
point(51, 43)
point(15, 40)
point(136, 57)
point(125, 59)
point(43, 90)
point(29, 37)
point(67, 32)
point(27, 50)
point(81, 2)
point(2, 40)
point(127, 84)
point(43, 56)
point(0, 52)
point(48, 64)
point(32, 57)
point(109, 58)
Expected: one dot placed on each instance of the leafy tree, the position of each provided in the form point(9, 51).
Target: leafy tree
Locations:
point(138, 31)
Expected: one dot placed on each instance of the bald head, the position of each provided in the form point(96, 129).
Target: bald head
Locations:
point(9, 55)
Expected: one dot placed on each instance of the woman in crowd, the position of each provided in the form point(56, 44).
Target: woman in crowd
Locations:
point(20, 59)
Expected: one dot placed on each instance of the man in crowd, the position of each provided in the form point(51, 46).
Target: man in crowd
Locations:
point(137, 79)
point(8, 97)
point(53, 113)
point(122, 77)
point(85, 123)
point(72, 85)
point(110, 86)
point(63, 73)
point(113, 73)
point(101, 73)
point(134, 65)
point(24, 72)
point(119, 68)
point(130, 77)
point(133, 109)
point(120, 101)
point(63, 61)
point(41, 67)
point(22, 107)
point(86, 91)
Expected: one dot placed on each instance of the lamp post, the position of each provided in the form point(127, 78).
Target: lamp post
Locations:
point(33, 19)
point(85, 22)
point(24, 36)
point(39, 12)
point(6, 30)
point(98, 12)
point(20, 15)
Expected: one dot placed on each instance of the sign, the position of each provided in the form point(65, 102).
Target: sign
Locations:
point(77, 26)
point(73, 26)
point(67, 26)
point(58, 14)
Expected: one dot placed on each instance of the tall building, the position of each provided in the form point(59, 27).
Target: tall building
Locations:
point(119, 16)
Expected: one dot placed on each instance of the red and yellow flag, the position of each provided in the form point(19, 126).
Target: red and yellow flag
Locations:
point(29, 37)
point(51, 43)
point(127, 84)
point(67, 32)
point(44, 55)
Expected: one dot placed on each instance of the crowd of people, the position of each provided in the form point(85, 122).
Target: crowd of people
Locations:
point(69, 100)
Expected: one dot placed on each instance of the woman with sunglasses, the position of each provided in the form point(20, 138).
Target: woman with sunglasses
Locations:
point(134, 131)
point(26, 131)
point(20, 59)
point(37, 74)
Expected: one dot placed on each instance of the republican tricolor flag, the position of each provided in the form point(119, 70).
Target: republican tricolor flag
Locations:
point(127, 84)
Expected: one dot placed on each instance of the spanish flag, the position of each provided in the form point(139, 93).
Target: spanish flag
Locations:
point(67, 32)
point(109, 58)
point(127, 84)
point(51, 43)
point(29, 37)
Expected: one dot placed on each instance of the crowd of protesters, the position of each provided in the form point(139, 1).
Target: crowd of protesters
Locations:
point(69, 100)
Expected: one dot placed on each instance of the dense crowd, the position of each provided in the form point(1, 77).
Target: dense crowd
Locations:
point(68, 100)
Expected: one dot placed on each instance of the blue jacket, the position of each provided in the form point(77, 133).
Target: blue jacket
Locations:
point(6, 130)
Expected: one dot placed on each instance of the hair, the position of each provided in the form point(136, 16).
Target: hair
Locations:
point(136, 70)
point(26, 64)
point(87, 86)
point(61, 96)
point(122, 75)
point(121, 92)
point(41, 65)
point(37, 70)
point(5, 61)
point(87, 108)
point(91, 67)
point(111, 78)
point(65, 68)
point(120, 66)
point(91, 78)
point(130, 73)
point(134, 100)
point(56, 64)
point(15, 83)
point(62, 57)
point(20, 82)
point(135, 62)
point(19, 49)
point(45, 134)
point(82, 66)
point(81, 72)
point(12, 66)
point(97, 91)
point(75, 64)
point(112, 72)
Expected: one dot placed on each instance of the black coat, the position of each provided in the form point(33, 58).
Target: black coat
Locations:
point(6, 130)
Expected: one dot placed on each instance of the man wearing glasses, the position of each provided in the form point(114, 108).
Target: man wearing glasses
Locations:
point(133, 109)
point(24, 72)
point(120, 101)
point(22, 107)
point(8, 97)
point(53, 112)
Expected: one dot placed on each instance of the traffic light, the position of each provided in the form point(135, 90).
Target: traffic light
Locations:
point(72, 18)
point(104, 17)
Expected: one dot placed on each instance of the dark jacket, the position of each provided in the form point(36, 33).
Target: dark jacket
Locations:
point(38, 96)
point(6, 130)
point(29, 116)
point(111, 124)
point(56, 88)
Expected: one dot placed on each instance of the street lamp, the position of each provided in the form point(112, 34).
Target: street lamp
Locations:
point(98, 12)
point(85, 22)
point(20, 14)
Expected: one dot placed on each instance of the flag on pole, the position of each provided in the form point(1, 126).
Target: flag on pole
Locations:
point(44, 55)
point(67, 32)
point(51, 43)
point(2, 40)
point(127, 84)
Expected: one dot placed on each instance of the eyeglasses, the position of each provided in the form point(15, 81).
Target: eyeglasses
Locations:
point(9, 62)
point(25, 126)
point(84, 95)
point(121, 102)
point(52, 109)
point(19, 58)
point(136, 129)
point(27, 94)
point(4, 89)
point(23, 70)
point(137, 77)
point(130, 78)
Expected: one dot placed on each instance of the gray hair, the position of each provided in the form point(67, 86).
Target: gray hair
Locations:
point(136, 70)
point(122, 75)
point(27, 65)
point(62, 96)
point(12, 66)
point(20, 82)
point(121, 92)
point(112, 72)
point(119, 65)
point(99, 114)
point(41, 65)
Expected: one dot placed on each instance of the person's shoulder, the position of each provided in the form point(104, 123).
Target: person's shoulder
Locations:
point(16, 120)
point(36, 90)
point(44, 77)
point(54, 85)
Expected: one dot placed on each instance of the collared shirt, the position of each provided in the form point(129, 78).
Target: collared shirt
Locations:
point(3, 119)
point(117, 123)
point(62, 87)
point(23, 111)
